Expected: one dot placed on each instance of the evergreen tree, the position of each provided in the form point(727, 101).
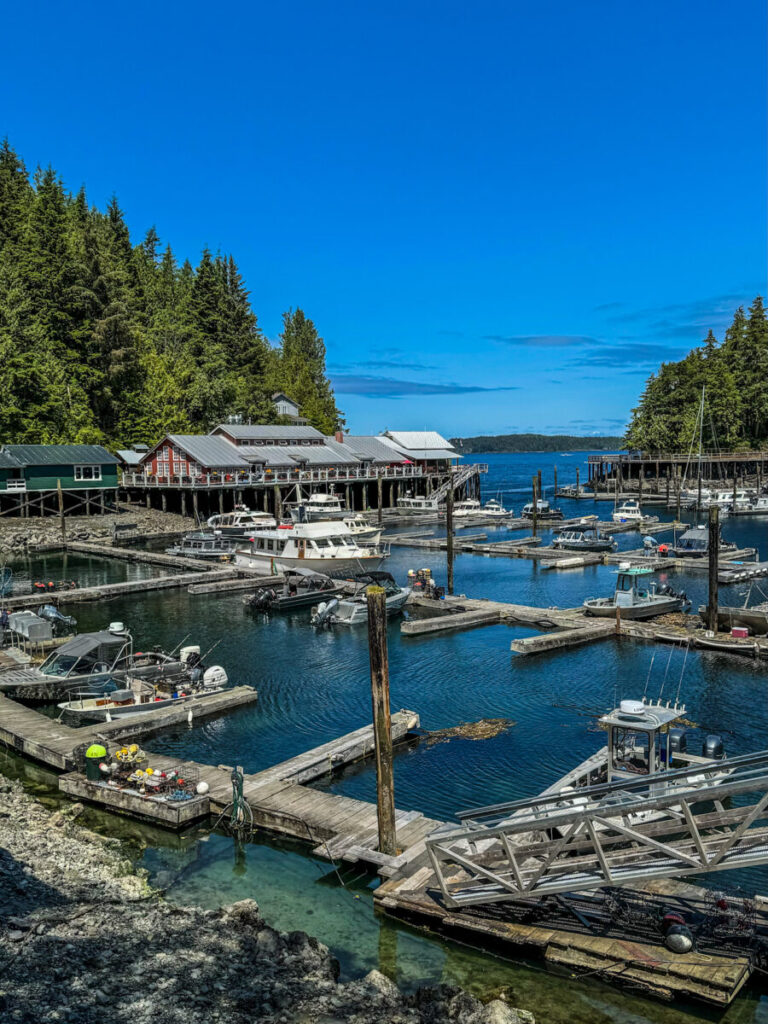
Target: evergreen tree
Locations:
point(103, 340)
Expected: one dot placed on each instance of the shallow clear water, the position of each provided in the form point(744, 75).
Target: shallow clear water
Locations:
point(314, 686)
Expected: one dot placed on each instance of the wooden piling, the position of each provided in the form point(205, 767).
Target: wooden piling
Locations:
point(183, 503)
point(382, 726)
point(698, 499)
point(667, 488)
point(714, 552)
point(221, 503)
point(577, 481)
point(535, 516)
point(62, 520)
point(449, 537)
point(195, 511)
point(379, 496)
point(555, 471)
point(278, 503)
point(538, 481)
point(734, 488)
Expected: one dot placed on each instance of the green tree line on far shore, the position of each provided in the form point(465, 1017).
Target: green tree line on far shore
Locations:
point(536, 443)
point(733, 376)
point(103, 340)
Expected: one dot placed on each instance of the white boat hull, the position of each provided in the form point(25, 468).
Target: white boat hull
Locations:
point(277, 564)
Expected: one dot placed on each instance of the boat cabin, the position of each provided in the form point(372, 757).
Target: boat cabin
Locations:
point(641, 739)
point(418, 504)
point(631, 588)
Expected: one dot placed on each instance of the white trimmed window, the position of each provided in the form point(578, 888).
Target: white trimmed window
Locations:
point(87, 472)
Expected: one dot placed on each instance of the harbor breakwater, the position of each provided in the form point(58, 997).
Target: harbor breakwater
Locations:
point(83, 937)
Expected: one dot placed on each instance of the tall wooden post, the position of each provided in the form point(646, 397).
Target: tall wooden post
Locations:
point(555, 471)
point(734, 487)
point(667, 488)
point(379, 496)
point(714, 553)
point(449, 536)
point(382, 722)
point(346, 497)
point(88, 502)
point(221, 502)
point(698, 498)
point(164, 501)
point(535, 517)
point(577, 481)
point(278, 504)
point(62, 521)
point(195, 512)
point(538, 481)
point(183, 503)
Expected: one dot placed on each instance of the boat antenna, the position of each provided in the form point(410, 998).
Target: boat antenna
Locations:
point(682, 671)
point(648, 677)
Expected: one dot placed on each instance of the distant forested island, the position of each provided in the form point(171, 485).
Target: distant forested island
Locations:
point(733, 378)
point(536, 443)
point(106, 339)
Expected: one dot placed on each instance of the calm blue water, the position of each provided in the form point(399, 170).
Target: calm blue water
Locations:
point(314, 686)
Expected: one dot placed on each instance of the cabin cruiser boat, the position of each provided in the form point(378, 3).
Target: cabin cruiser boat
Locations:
point(629, 512)
point(325, 547)
point(352, 610)
point(543, 510)
point(318, 507)
point(494, 509)
point(756, 507)
point(725, 499)
point(636, 597)
point(694, 543)
point(140, 697)
point(301, 588)
point(465, 509)
point(410, 504)
point(359, 526)
point(240, 522)
point(204, 545)
point(584, 538)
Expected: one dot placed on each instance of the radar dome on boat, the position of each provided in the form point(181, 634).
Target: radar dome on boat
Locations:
point(632, 708)
point(623, 566)
point(117, 627)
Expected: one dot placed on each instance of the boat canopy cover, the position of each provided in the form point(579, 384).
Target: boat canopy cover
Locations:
point(375, 576)
point(87, 642)
point(305, 573)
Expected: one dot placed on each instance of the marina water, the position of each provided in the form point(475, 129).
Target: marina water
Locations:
point(314, 685)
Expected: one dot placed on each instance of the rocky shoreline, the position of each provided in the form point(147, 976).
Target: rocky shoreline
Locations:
point(83, 938)
point(17, 536)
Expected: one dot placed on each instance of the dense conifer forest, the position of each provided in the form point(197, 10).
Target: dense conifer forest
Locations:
point(537, 443)
point(106, 341)
point(734, 376)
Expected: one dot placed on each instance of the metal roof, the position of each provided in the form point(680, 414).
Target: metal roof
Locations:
point(367, 448)
point(293, 454)
point(8, 461)
point(431, 454)
point(129, 456)
point(267, 432)
point(413, 439)
point(60, 454)
point(211, 452)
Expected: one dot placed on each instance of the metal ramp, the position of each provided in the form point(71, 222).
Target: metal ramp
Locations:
point(704, 818)
point(456, 480)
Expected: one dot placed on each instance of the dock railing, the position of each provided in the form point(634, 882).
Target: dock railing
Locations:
point(266, 477)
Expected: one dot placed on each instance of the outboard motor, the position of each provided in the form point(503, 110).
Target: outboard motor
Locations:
point(323, 614)
point(214, 677)
point(712, 747)
point(677, 741)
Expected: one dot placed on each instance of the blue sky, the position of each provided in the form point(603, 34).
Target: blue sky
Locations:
point(501, 216)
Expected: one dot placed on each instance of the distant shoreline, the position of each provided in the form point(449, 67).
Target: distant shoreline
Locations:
point(516, 444)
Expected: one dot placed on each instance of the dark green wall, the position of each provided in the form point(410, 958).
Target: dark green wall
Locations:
point(46, 478)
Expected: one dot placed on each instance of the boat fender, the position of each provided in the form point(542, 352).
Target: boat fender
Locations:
point(679, 939)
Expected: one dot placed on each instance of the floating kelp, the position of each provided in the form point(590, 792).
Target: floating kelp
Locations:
point(485, 729)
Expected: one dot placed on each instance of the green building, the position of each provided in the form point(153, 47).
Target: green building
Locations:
point(33, 475)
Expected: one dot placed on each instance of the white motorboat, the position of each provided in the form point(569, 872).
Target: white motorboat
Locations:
point(465, 509)
point(140, 697)
point(318, 507)
point(494, 509)
point(629, 511)
point(359, 527)
point(204, 546)
point(352, 610)
point(240, 522)
point(325, 547)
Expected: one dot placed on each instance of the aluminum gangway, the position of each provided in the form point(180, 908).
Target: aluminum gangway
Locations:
point(704, 818)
